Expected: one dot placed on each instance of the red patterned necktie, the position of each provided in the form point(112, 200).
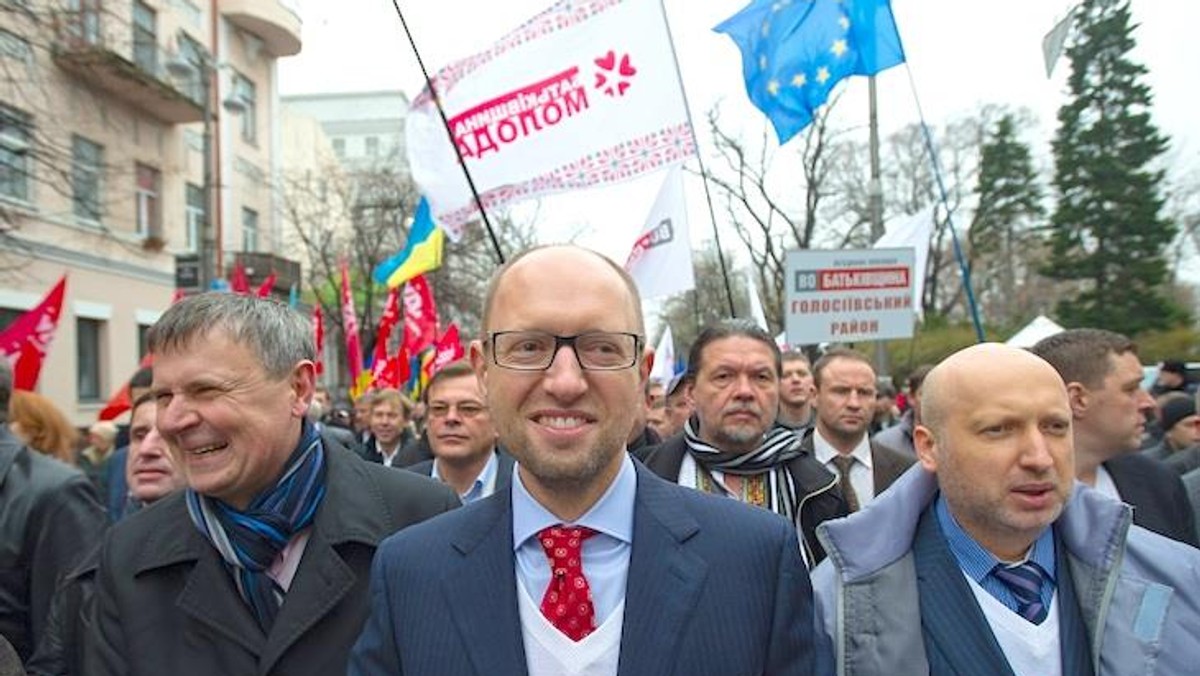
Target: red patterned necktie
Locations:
point(568, 600)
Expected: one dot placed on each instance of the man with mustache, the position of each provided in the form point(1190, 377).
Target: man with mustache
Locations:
point(731, 446)
point(991, 558)
point(846, 392)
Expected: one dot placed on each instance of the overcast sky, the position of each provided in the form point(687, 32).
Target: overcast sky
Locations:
point(961, 53)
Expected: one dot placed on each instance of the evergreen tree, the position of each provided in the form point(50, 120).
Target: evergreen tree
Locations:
point(1107, 230)
point(1002, 235)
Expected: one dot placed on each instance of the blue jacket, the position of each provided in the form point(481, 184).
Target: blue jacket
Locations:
point(1138, 592)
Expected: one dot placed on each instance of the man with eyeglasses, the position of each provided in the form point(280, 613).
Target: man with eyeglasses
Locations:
point(462, 436)
point(588, 563)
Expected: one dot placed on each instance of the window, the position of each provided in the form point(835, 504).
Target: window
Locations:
point(249, 230)
point(149, 210)
point(87, 358)
point(243, 90)
point(145, 38)
point(142, 330)
point(87, 159)
point(339, 148)
point(194, 216)
point(82, 21)
point(15, 128)
point(373, 146)
point(15, 47)
point(8, 316)
point(194, 84)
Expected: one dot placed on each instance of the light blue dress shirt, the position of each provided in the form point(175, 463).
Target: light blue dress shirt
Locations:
point(484, 484)
point(605, 554)
point(978, 562)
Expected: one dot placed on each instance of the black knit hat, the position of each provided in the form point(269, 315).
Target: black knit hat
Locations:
point(1175, 410)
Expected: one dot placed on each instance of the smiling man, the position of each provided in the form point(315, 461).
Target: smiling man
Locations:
point(260, 565)
point(992, 560)
point(587, 564)
point(462, 436)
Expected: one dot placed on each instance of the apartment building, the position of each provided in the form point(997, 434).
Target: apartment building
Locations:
point(138, 139)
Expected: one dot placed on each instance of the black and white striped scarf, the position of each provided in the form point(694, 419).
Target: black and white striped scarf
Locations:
point(778, 447)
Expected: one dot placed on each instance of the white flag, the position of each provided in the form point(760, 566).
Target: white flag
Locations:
point(1052, 44)
point(756, 308)
point(661, 259)
point(583, 94)
point(664, 359)
point(911, 231)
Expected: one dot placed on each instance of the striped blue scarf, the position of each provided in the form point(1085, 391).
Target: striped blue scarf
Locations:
point(250, 540)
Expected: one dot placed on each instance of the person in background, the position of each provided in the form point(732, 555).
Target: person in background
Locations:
point(389, 427)
point(49, 518)
point(151, 473)
point(1172, 377)
point(114, 471)
point(679, 407)
point(93, 459)
point(42, 426)
point(886, 413)
point(796, 392)
point(899, 437)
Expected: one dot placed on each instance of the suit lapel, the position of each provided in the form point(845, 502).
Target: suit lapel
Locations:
point(210, 597)
point(954, 625)
point(665, 581)
point(483, 571)
point(887, 468)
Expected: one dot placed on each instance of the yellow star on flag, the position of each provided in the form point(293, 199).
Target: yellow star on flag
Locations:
point(839, 48)
point(762, 62)
point(773, 87)
point(822, 75)
point(799, 80)
point(844, 22)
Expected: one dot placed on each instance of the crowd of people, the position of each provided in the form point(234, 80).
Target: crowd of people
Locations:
point(546, 508)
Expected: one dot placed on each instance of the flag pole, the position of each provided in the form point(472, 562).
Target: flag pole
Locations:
point(437, 102)
point(699, 160)
point(875, 191)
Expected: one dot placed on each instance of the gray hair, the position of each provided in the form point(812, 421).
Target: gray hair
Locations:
point(279, 336)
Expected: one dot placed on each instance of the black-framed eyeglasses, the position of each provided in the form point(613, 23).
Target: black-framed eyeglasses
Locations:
point(535, 350)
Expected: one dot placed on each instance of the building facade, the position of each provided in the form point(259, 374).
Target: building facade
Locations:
point(133, 133)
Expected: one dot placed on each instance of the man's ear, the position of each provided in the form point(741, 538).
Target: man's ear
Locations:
point(1080, 399)
point(925, 444)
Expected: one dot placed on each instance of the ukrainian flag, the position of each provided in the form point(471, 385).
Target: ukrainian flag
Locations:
point(422, 252)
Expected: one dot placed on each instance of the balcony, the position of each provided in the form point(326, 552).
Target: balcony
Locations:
point(259, 266)
point(271, 20)
point(130, 70)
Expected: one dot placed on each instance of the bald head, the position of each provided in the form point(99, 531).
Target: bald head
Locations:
point(979, 371)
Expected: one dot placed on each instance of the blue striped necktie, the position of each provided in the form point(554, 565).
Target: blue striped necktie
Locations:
point(1025, 582)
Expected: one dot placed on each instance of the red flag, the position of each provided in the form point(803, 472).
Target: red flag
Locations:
point(264, 289)
point(239, 283)
point(123, 399)
point(448, 348)
point(350, 328)
point(318, 320)
point(387, 322)
point(27, 340)
point(420, 315)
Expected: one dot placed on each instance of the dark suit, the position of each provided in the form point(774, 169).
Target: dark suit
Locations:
point(714, 588)
point(887, 464)
point(958, 638)
point(166, 603)
point(370, 452)
point(504, 469)
point(1156, 493)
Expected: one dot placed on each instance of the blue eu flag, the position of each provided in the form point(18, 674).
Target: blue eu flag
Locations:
point(795, 51)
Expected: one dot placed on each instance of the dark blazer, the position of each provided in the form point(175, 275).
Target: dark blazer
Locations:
point(166, 603)
point(887, 464)
point(504, 468)
point(1156, 493)
point(371, 454)
point(50, 517)
point(820, 499)
point(715, 588)
point(958, 639)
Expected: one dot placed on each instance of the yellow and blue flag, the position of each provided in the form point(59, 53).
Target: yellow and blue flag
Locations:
point(795, 51)
point(422, 252)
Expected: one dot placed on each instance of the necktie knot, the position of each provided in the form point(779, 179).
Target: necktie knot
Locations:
point(1025, 581)
point(567, 603)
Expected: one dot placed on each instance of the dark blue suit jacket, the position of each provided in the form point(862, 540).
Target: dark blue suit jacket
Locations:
point(715, 588)
point(958, 639)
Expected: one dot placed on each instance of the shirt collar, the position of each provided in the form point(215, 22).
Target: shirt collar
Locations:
point(824, 451)
point(486, 478)
point(612, 514)
point(978, 562)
